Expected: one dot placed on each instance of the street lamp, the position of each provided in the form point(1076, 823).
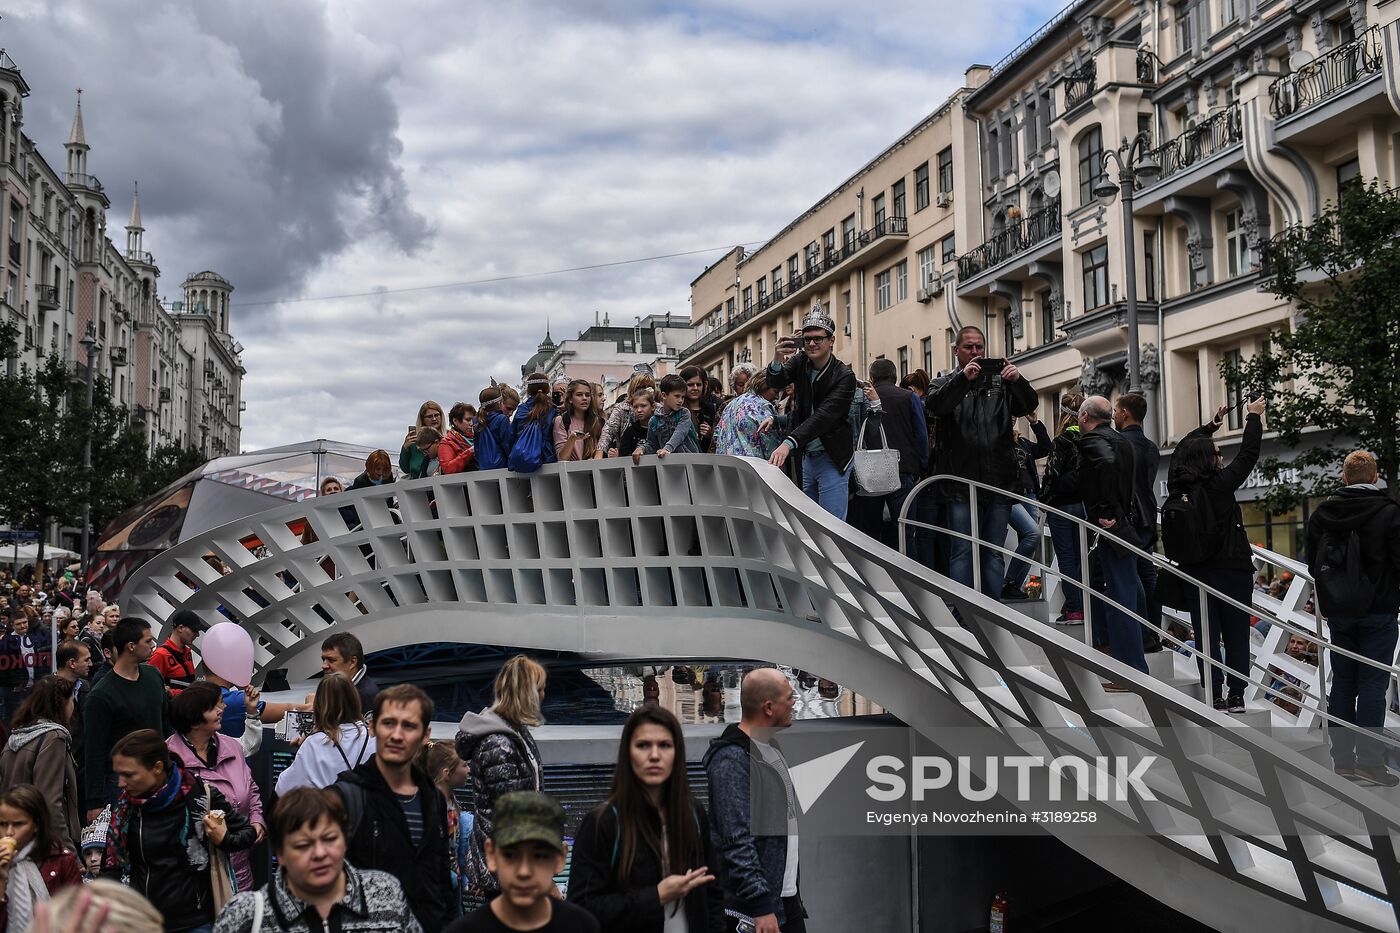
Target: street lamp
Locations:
point(93, 346)
point(1134, 161)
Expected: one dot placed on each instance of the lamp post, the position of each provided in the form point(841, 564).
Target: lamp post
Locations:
point(93, 346)
point(1134, 161)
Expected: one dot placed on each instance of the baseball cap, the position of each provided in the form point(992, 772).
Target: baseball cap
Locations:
point(527, 816)
point(188, 618)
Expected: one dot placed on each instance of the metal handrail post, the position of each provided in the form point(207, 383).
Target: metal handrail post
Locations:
point(1086, 592)
point(1206, 646)
point(976, 541)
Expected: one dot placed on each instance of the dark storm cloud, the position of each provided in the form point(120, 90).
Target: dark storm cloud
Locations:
point(264, 133)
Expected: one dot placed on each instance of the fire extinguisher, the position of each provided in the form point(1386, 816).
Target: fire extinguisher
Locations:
point(998, 918)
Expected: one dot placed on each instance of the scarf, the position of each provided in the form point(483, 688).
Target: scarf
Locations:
point(172, 792)
point(26, 888)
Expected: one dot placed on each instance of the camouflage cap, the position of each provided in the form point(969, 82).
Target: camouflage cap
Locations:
point(527, 816)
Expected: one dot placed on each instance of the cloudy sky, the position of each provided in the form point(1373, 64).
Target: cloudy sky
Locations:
point(311, 149)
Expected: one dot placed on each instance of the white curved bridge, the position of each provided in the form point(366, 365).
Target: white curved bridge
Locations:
point(718, 556)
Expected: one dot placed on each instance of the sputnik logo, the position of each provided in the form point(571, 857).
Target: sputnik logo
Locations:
point(811, 778)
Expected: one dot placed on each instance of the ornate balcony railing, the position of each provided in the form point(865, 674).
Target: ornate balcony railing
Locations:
point(141, 255)
point(48, 297)
point(1215, 134)
point(1328, 76)
point(833, 258)
point(1018, 237)
point(80, 180)
point(1148, 66)
point(1080, 83)
point(1313, 245)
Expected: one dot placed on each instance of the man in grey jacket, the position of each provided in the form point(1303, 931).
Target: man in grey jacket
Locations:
point(758, 860)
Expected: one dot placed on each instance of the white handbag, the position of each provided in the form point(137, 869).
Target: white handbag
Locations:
point(877, 471)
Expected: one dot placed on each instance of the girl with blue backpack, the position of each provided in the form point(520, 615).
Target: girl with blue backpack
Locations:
point(494, 434)
point(534, 427)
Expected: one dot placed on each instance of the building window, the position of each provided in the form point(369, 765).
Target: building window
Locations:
point(993, 154)
point(1229, 11)
point(1183, 29)
point(778, 282)
point(748, 299)
point(921, 187)
point(1047, 318)
point(882, 290)
point(762, 292)
point(829, 241)
point(1008, 143)
point(928, 264)
point(729, 309)
point(1348, 176)
point(792, 267)
point(878, 206)
point(846, 308)
point(814, 255)
point(1149, 256)
point(926, 352)
point(901, 280)
point(848, 231)
point(948, 248)
point(1090, 164)
point(1232, 391)
point(945, 171)
point(1008, 336)
point(903, 362)
point(1236, 246)
point(897, 198)
point(1095, 263)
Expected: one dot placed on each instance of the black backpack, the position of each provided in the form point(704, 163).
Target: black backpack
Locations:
point(1343, 588)
point(1190, 530)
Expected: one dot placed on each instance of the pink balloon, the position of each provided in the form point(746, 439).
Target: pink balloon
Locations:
point(227, 651)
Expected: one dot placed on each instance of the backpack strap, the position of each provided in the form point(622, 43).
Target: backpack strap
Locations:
point(259, 905)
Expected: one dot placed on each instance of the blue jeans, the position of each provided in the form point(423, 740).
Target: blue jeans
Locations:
point(1358, 690)
point(1147, 573)
point(825, 484)
point(993, 516)
point(1121, 584)
point(1025, 521)
point(1064, 536)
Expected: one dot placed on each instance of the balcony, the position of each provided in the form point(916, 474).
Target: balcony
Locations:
point(118, 356)
point(1080, 83)
point(80, 180)
point(1307, 248)
point(889, 230)
point(1020, 236)
point(1149, 66)
point(164, 394)
point(1328, 76)
point(1196, 144)
point(48, 297)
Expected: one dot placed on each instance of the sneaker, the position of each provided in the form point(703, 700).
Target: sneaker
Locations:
point(1220, 704)
point(1346, 771)
point(1111, 687)
point(1012, 591)
point(1236, 702)
point(1375, 775)
point(1070, 618)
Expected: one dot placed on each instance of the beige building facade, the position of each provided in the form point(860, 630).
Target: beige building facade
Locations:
point(177, 370)
point(1258, 112)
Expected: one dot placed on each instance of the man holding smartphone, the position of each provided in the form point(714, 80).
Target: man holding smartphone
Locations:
point(973, 409)
point(823, 388)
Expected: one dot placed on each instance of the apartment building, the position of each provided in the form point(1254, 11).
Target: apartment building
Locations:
point(64, 279)
point(607, 352)
point(1256, 113)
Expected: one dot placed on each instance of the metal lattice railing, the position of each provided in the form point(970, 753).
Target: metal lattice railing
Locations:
point(721, 556)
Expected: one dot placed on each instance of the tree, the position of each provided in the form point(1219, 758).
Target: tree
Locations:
point(1336, 373)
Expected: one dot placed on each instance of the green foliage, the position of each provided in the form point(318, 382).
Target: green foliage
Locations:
point(47, 422)
point(1338, 370)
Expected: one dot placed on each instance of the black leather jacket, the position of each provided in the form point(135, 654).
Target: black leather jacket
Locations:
point(160, 866)
point(1107, 473)
point(972, 422)
point(1235, 552)
point(821, 407)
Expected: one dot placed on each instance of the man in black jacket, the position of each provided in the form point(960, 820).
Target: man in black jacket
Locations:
point(1106, 476)
point(1129, 412)
point(902, 418)
point(823, 387)
point(973, 411)
point(398, 819)
point(1358, 690)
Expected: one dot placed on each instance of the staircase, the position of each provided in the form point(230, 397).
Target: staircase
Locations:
point(718, 556)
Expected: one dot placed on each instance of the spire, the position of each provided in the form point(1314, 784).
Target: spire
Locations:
point(76, 136)
point(135, 222)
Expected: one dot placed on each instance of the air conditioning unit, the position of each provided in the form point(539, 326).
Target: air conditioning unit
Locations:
point(930, 291)
point(944, 198)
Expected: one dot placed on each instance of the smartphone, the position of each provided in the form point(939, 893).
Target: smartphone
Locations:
point(296, 723)
point(1247, 399)
point(991, 365)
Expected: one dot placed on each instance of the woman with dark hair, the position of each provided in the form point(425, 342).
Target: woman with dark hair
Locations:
point(494, 434)
point(1059, 488)
point(916, 382)
point(642, 857)
point(580, 423)
point(163, 828)
point(40, 752)
point(701, 405)
point(196, 714)
point(1197, 468)
point(620, 416)
point(33, 864)
point(341, 740)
